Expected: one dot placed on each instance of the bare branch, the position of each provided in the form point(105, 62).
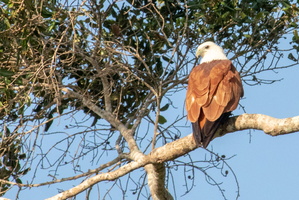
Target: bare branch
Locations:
point(100, 177)
point(186, 144)
point(107, 116)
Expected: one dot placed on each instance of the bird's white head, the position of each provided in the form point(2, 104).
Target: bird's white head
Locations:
point(210, 51)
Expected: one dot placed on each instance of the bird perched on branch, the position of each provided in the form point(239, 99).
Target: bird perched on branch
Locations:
point(214, 90)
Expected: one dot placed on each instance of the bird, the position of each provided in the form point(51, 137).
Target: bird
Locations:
point(214, 90)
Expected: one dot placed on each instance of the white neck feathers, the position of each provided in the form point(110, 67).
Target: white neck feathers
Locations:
point(213, 55)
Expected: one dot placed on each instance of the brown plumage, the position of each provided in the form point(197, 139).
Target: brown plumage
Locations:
point(214, 90)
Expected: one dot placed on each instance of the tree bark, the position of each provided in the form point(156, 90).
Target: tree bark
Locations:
point(156, 181)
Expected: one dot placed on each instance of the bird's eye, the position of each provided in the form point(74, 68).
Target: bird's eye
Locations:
point(206, 47)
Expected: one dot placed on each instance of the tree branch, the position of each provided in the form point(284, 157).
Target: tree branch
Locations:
point(175, 149)
point(270, 125)
point(156, 181)
point(109, 117)
point(98, 178)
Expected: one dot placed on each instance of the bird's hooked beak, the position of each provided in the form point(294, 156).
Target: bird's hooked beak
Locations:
point(200, 52)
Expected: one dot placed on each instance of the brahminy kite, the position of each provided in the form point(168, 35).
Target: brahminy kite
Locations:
point(214, 90)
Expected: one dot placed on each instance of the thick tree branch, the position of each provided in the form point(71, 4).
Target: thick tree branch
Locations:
point(270, 125)
point(173, 150)
point(156, 181)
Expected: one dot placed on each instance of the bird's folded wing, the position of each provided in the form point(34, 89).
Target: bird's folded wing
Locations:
point(215, 87)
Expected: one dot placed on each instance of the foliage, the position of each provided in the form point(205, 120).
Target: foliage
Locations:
point(126, 57)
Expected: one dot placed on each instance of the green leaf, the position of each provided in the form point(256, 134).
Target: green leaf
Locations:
point(49, 123)
point(22, 156)
point(18, 181)
point(247, 35)
point(259, 16)
point(6, 73)
point(46, 13)
point(25, 171)
point(291, 57)
point(165, 107)
point(51, 27)
point(162, 120)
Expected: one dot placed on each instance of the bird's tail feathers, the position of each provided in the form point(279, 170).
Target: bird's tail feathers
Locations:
point(197, 134)
point(204, 136)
